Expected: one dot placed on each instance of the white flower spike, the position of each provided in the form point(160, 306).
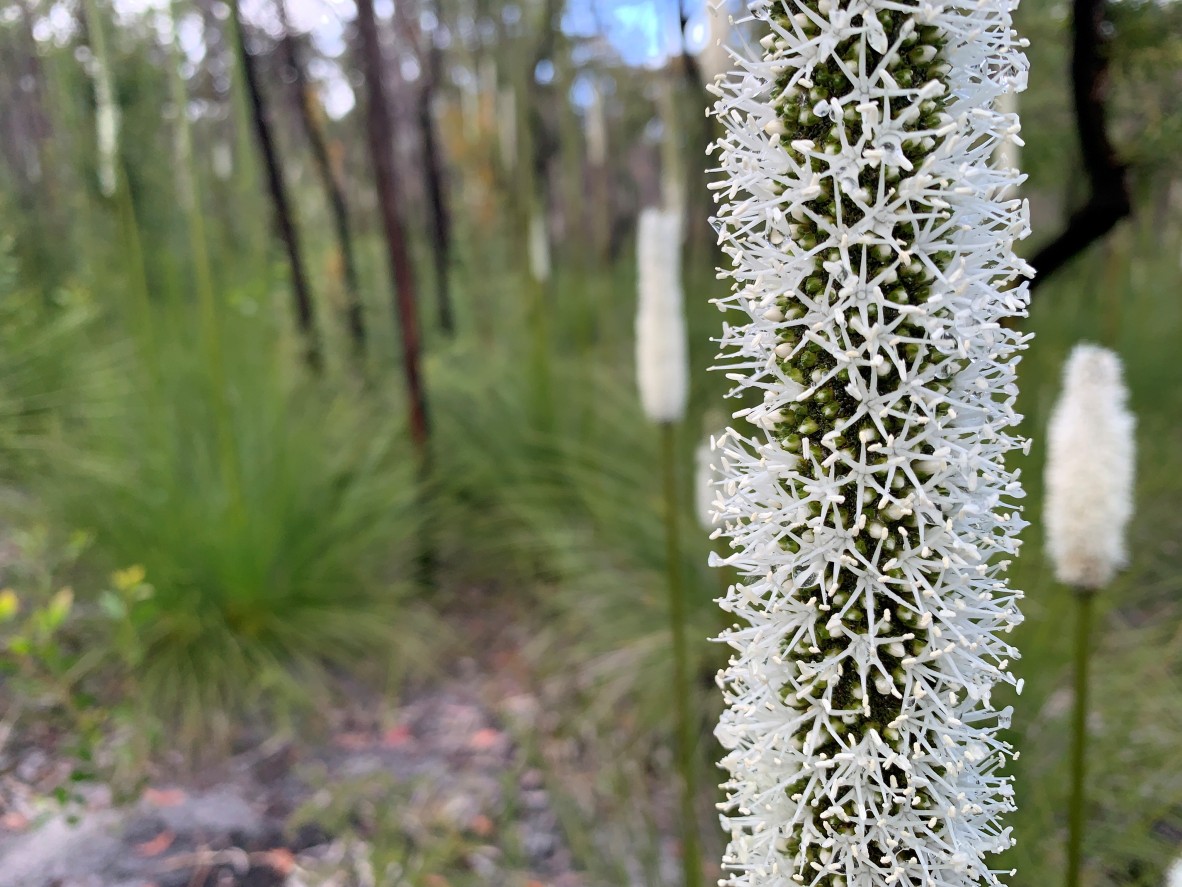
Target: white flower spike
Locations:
point(1089, 476)
point(662, 368)
point(870, 513)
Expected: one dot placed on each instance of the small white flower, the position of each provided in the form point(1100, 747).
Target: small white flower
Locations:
point(1089, 473)
point(539, 248)
point(596, 129)
point(714, 61)
point(1174, 874)
point(106, 125)
point(707, 479)
point(662, 368)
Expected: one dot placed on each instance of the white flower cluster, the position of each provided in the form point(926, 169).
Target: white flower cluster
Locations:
point(870, 513)
point(662, 359)
point(1089, 477)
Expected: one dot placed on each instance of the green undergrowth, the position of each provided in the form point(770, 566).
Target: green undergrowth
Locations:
point(1120, 295)
point(276, 522)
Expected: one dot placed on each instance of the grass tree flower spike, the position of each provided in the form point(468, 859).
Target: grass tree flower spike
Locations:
point(1089, 475)
point(662, 361)
point(869, 510)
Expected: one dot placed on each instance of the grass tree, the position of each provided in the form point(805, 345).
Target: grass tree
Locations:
point(869, 509)
point(1089, 500)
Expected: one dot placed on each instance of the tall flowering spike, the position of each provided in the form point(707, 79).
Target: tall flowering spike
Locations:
point(106, 125)
point(869, 511)
point(539, 247)
point(662, 368)
point(1089, 476)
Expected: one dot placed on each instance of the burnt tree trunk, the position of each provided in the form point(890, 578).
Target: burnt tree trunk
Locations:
point(430, 59)
point(1109, 201)
point(436, 189)
point(334, 189)
point(381, 143)
point(283, 212)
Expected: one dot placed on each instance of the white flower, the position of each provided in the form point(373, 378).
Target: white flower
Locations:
point(662, 369)
point(1089, 475)
point(596, 129)
point(707, 478)
point(1174, 874)
point(106, 123)
point(713, 59)
point(222, 160)
point(539, 248)
point(868, 506)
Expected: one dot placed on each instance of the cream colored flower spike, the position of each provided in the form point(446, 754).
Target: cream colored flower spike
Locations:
point(867, 500)
point(662, 369)
point(1089, 475)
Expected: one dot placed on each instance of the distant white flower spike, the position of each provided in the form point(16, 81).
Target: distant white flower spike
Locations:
point(707, 477)
point(1089, 475)
point(539, 248)
point(596, 129)
point(1174, 874)
point(714, 59)
point(106, 127)
point(662, 368)
point(870, 511)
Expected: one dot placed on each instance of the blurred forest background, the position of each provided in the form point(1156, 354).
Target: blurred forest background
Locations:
point(317, 393)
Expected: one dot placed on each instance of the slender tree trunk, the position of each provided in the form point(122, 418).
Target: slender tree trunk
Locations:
point(381, 142)
point(334, 189)
point(284, 212)
point(1109, 200)
point(436, 192)
point(430, 58)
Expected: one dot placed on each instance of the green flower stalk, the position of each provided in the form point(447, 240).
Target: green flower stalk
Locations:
point(1089, 499)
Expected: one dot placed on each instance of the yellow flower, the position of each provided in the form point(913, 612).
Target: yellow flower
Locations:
point(10, 604)
point(126, 580)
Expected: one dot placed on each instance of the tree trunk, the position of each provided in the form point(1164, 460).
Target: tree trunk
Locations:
point(436, 194)
point(334, 189)
point(381, 142)
point(430, 58)
point(284, 214)
point(1109, 201)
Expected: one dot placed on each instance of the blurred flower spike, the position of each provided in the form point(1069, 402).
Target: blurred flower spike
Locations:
point(1089, 480)
point(867, 504)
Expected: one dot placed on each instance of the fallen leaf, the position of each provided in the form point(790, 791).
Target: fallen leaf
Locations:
point(157, 845)
point(13, 821)
point(280, 860)
point(485, 739)
point(164, 797)
point(398, 736)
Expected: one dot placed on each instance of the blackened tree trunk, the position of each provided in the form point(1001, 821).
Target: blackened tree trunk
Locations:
point(334, 189)
point(436, 192)
point(1109, 201)
point(283, 212)
point(430, 59)
point(381, 144)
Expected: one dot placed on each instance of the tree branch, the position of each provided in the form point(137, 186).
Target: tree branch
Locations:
point(1109, 201)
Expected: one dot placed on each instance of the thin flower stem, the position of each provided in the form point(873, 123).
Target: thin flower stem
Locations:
point(682, 689)
point(1079, 733)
